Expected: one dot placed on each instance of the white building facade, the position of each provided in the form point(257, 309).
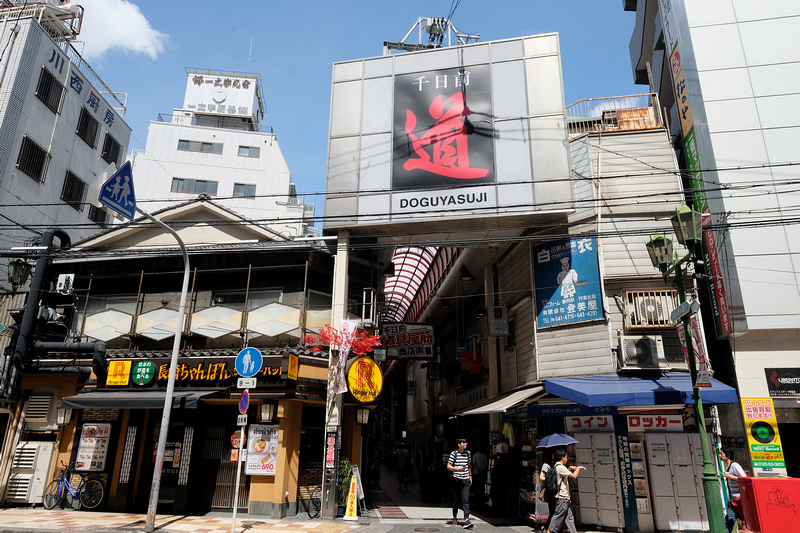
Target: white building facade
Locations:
point(60, 126)
point(728, 71)
point(215, 145)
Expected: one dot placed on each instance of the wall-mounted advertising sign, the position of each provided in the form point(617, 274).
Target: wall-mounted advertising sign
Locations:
point(408, 341)
point(783, 381)
point(460, 138)
point(442, 129)
point(567, 276)
point(262, 452)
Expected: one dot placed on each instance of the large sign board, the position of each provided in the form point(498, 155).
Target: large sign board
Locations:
point(408, 341)
point(567, 275)
point(220, 93)
point(763, 439)
point(465, 137)
point(262, 451)
point(783, 381)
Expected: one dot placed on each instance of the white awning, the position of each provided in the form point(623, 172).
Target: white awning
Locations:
point(502, 403)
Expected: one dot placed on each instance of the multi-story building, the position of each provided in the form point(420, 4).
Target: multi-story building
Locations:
point(215, 144)
point(60, 125)
point(727, 72)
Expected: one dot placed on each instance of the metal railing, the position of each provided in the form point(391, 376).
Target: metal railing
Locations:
point(618, 113)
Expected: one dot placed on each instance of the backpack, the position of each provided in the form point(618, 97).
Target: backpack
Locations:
point(551, 482)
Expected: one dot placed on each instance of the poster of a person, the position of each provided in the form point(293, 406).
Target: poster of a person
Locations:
point(567, 278)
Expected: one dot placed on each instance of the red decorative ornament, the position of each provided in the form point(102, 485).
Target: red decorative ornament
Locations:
point(361, 343)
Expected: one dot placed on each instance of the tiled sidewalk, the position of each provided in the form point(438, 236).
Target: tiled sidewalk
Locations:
point(25, 519)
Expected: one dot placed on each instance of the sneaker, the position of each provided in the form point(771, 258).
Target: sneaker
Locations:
point(468, 525)
point(455, 522)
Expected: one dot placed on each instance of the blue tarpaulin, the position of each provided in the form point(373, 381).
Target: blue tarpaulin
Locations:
point(608, 390)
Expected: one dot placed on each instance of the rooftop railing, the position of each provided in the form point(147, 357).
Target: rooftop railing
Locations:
point(615, 114)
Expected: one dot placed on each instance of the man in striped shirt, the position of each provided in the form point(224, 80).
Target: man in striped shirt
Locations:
point(460, 464)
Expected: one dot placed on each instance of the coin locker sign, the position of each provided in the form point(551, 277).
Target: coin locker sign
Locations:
point(764, 442)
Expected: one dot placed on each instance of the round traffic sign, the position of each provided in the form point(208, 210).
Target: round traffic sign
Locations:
point(249, 362)
point(244, 401)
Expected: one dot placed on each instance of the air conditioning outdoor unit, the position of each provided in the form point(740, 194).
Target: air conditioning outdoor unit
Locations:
point(641, 352)
point(29, 468)
point(40, 411)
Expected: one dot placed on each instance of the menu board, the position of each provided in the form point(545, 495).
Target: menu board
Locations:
point(93, 448)
point(262, 450)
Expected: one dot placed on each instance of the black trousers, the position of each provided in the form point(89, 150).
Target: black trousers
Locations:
point(461, 497)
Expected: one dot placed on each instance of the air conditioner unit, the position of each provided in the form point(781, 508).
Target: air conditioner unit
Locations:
point(29, 470)
point(647, 309)
point(40, 412)
point(641, 352)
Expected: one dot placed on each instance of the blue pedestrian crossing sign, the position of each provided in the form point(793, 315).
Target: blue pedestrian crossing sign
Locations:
point(249, 362)
point(117, 192)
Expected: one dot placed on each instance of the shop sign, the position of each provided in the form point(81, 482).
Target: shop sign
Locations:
point(191, 371)
point(764, 441)
point(93, 448)
point(118, 373)
point(330, 450)
point(408, 341)
point(703, 377)
point(143, 373)
point(589, 423)
point(783, 381)
point(567, 276)
point(262, 455)
point(533, 409)
point(294, 366)
point(235, 436)
point(655, 423)
point(625, 466)
point(364, 378)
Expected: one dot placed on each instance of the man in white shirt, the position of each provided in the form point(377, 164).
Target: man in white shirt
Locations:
point(563, 514)
point(460, 464)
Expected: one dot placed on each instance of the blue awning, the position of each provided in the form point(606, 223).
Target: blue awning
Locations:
point(608, 390)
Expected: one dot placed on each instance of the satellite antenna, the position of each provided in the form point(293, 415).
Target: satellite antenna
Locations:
point(438, 29)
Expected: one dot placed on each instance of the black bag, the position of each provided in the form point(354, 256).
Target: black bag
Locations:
point(551, 483)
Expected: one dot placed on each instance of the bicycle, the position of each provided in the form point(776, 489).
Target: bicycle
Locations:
point(315, 502)
point(89, 492)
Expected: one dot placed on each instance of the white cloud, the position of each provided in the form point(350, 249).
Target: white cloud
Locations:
point(118, 25)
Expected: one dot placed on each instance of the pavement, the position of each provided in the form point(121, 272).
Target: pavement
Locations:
point(390, 510)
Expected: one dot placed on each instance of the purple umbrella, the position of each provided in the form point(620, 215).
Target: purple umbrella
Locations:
point(556, 439)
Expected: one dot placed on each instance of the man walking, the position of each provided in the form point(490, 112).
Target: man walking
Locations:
point(460, 464)
point(563, 513)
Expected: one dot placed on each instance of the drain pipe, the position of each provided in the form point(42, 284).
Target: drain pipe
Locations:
point(97, 349)
point(34, 294)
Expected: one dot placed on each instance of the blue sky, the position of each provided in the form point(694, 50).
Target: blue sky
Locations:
point(143, 48)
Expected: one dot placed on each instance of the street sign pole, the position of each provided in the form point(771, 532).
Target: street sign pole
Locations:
point(238, 479)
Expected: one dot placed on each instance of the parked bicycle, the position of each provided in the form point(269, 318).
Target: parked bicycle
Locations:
point(315, 502)
point(89, 492)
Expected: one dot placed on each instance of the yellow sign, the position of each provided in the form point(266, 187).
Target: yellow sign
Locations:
point(119, 373)
point(351, 512)
point(681, 94)
point(294, 366)
point(364, 379)
point(763, 439)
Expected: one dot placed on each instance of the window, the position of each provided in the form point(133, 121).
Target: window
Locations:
point(74, 191)
point(88, 127)
point(191, 186)
point(197, 146)
point(255, 298)
point(249, 151)
point(319, 300)
point(98, 216)
point(244, 190)
point(111, 150)
point(33, 159)
point(49, 90)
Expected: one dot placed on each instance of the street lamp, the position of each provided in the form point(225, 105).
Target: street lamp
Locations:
point(688, 228)
point(18, 271)
point(362, 415)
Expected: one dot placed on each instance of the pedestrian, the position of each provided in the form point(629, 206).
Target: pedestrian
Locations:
point(733, 471)
point(460, 464)
point(563, 511)
point(403, 461)
point(551, 502)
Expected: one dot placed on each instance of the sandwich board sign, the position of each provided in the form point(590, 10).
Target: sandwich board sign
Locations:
point(117, 192)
